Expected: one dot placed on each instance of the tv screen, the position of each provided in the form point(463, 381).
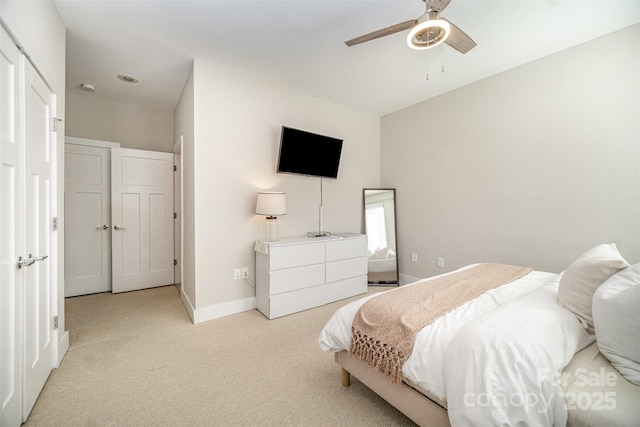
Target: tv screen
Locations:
point(308, 153)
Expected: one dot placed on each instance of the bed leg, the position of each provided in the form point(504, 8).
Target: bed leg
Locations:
point(346, 378)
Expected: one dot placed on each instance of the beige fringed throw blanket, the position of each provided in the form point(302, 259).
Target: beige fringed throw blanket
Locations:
point(385, 327)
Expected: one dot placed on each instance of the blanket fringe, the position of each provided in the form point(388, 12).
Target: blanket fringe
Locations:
point(381, 356)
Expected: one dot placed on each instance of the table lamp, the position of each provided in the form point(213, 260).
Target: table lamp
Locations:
point(271, 204)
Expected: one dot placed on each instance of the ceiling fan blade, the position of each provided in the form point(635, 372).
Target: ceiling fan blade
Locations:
point(383, 32)
point(459, 40)
point(437, 5)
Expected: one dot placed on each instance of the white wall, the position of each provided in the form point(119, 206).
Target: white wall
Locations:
point(39, 29)
point(531, 167)
point(238, 118)
point(93, 116)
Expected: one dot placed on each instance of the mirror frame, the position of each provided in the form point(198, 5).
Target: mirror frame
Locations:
point(395, 282)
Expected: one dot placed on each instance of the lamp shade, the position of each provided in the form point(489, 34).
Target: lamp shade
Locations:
point(271, 204)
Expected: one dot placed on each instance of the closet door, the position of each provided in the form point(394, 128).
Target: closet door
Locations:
point(39, 342)
point(142, 216)
point(27, 271)
point(11, 172)
point(87, 207)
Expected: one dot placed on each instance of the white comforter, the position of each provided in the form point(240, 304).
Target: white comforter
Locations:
point(515, 348)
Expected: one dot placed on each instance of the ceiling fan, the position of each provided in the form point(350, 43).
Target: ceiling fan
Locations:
point(427, 31)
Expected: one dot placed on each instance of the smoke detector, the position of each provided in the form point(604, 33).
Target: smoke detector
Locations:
point(88, 87)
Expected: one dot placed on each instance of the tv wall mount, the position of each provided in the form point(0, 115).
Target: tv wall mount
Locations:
point(320, 232)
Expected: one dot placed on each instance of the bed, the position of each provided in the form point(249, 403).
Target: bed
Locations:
point(514, 355)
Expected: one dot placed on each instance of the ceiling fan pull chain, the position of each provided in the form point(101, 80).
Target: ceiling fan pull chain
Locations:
point(442, 48)
point(427, 72)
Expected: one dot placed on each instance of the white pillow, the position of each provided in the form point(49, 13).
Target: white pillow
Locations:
point(581, 279)
point(616, 317)
point(382, 253)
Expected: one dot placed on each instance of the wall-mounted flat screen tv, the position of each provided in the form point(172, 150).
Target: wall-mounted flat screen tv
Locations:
point(307, 153)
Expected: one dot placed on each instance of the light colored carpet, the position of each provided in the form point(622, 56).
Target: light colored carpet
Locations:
point(136, 359)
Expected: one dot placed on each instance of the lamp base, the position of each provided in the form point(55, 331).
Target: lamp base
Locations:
point(318, 234)
point(272, 229)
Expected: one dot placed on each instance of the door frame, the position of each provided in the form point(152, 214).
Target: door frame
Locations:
point(90, 142)
point(179, 208)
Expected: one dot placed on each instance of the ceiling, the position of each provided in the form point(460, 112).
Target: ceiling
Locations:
point(300, 44)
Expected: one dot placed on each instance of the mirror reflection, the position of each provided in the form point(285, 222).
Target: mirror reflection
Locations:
point(380, 228)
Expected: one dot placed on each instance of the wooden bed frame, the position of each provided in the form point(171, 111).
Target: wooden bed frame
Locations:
point(426, 412)
point(419, 408)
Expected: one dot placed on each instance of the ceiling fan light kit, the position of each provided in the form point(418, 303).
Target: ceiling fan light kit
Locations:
point(428, 34)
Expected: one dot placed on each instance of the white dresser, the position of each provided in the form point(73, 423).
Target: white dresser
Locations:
point(299, 273)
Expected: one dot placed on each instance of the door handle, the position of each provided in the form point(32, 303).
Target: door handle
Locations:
point(117, 227)
point(104, 227)
point(26, 262)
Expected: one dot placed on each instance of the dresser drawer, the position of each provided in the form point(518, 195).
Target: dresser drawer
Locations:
point(288, 256)
point(344, 269)
point(292, 279)
point(347, 248)
point(345, 288)
point(291, 302)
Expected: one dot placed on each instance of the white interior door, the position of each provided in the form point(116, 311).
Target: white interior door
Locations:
point(87, 207)
point(38, 295)
point(11, 172)
point(142, 217)
point(177, 220)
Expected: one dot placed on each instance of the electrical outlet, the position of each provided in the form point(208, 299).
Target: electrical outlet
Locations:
point(440, 262)
point(414, 257)
point(237, 274)
point(245, 272)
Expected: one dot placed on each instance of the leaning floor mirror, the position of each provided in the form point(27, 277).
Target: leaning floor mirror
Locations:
point(380, 228)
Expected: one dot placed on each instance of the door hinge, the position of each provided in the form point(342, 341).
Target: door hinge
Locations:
point(54, 121)
point(55, 322)
point(175, 262)
point(54, 223)
point(175, 168)
point(175, 215)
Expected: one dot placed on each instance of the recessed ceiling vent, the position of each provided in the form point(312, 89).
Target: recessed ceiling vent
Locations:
point(128, 78)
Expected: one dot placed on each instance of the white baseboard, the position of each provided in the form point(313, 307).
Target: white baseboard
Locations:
point(187, 304)
point(405, 278)
point(63, 346)
point(218, 310)
point(224, 309)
